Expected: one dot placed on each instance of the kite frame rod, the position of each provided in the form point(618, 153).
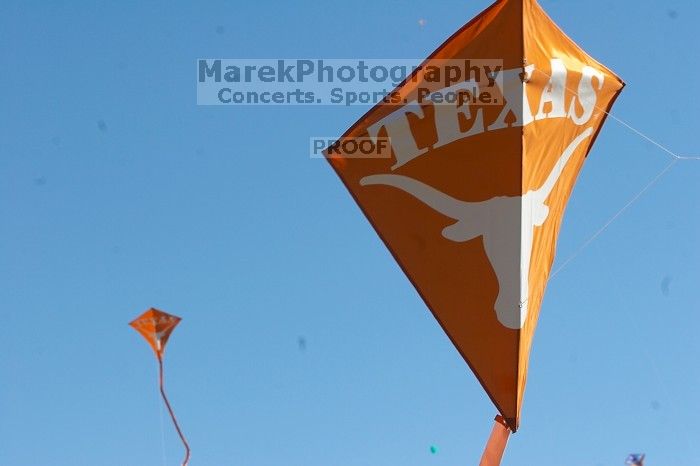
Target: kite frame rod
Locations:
point(170, 410)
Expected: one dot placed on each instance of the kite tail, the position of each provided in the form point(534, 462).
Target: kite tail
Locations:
point(172, 414)
point(496, 444)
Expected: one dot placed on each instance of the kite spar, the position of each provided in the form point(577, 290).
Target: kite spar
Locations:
point(156, 326)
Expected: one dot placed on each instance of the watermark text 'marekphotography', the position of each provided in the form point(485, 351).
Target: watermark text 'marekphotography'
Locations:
point(346, 81)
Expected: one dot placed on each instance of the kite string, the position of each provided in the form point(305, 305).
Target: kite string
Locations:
point(170, 410)
point(652, 141)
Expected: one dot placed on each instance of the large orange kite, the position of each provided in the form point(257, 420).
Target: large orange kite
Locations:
point(472, 198)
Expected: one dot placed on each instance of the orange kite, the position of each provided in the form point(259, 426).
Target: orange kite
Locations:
point(156, 326)
point(471, 201)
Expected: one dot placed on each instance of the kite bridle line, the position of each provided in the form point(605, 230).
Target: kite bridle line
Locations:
point(612, 219)
point(632, 128)
point(675, 158)
point(170, 410)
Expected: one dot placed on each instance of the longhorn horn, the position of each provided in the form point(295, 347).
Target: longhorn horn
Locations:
point(553, 177)
point(441, 202)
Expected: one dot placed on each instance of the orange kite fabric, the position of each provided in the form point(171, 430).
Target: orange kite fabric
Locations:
point(471, 199)
point(155, 326)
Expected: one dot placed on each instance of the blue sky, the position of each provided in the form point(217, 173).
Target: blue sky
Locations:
point(118, 192)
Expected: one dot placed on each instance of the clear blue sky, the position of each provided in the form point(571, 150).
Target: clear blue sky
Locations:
point(118, 193)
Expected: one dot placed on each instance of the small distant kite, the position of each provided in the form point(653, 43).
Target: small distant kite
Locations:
point(156, 326)
point(635, 459)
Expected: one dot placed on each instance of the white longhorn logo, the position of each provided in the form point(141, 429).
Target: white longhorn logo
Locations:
point(505, 223)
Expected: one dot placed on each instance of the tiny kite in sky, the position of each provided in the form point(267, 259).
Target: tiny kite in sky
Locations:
point(156, 326)
point(635, 459)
